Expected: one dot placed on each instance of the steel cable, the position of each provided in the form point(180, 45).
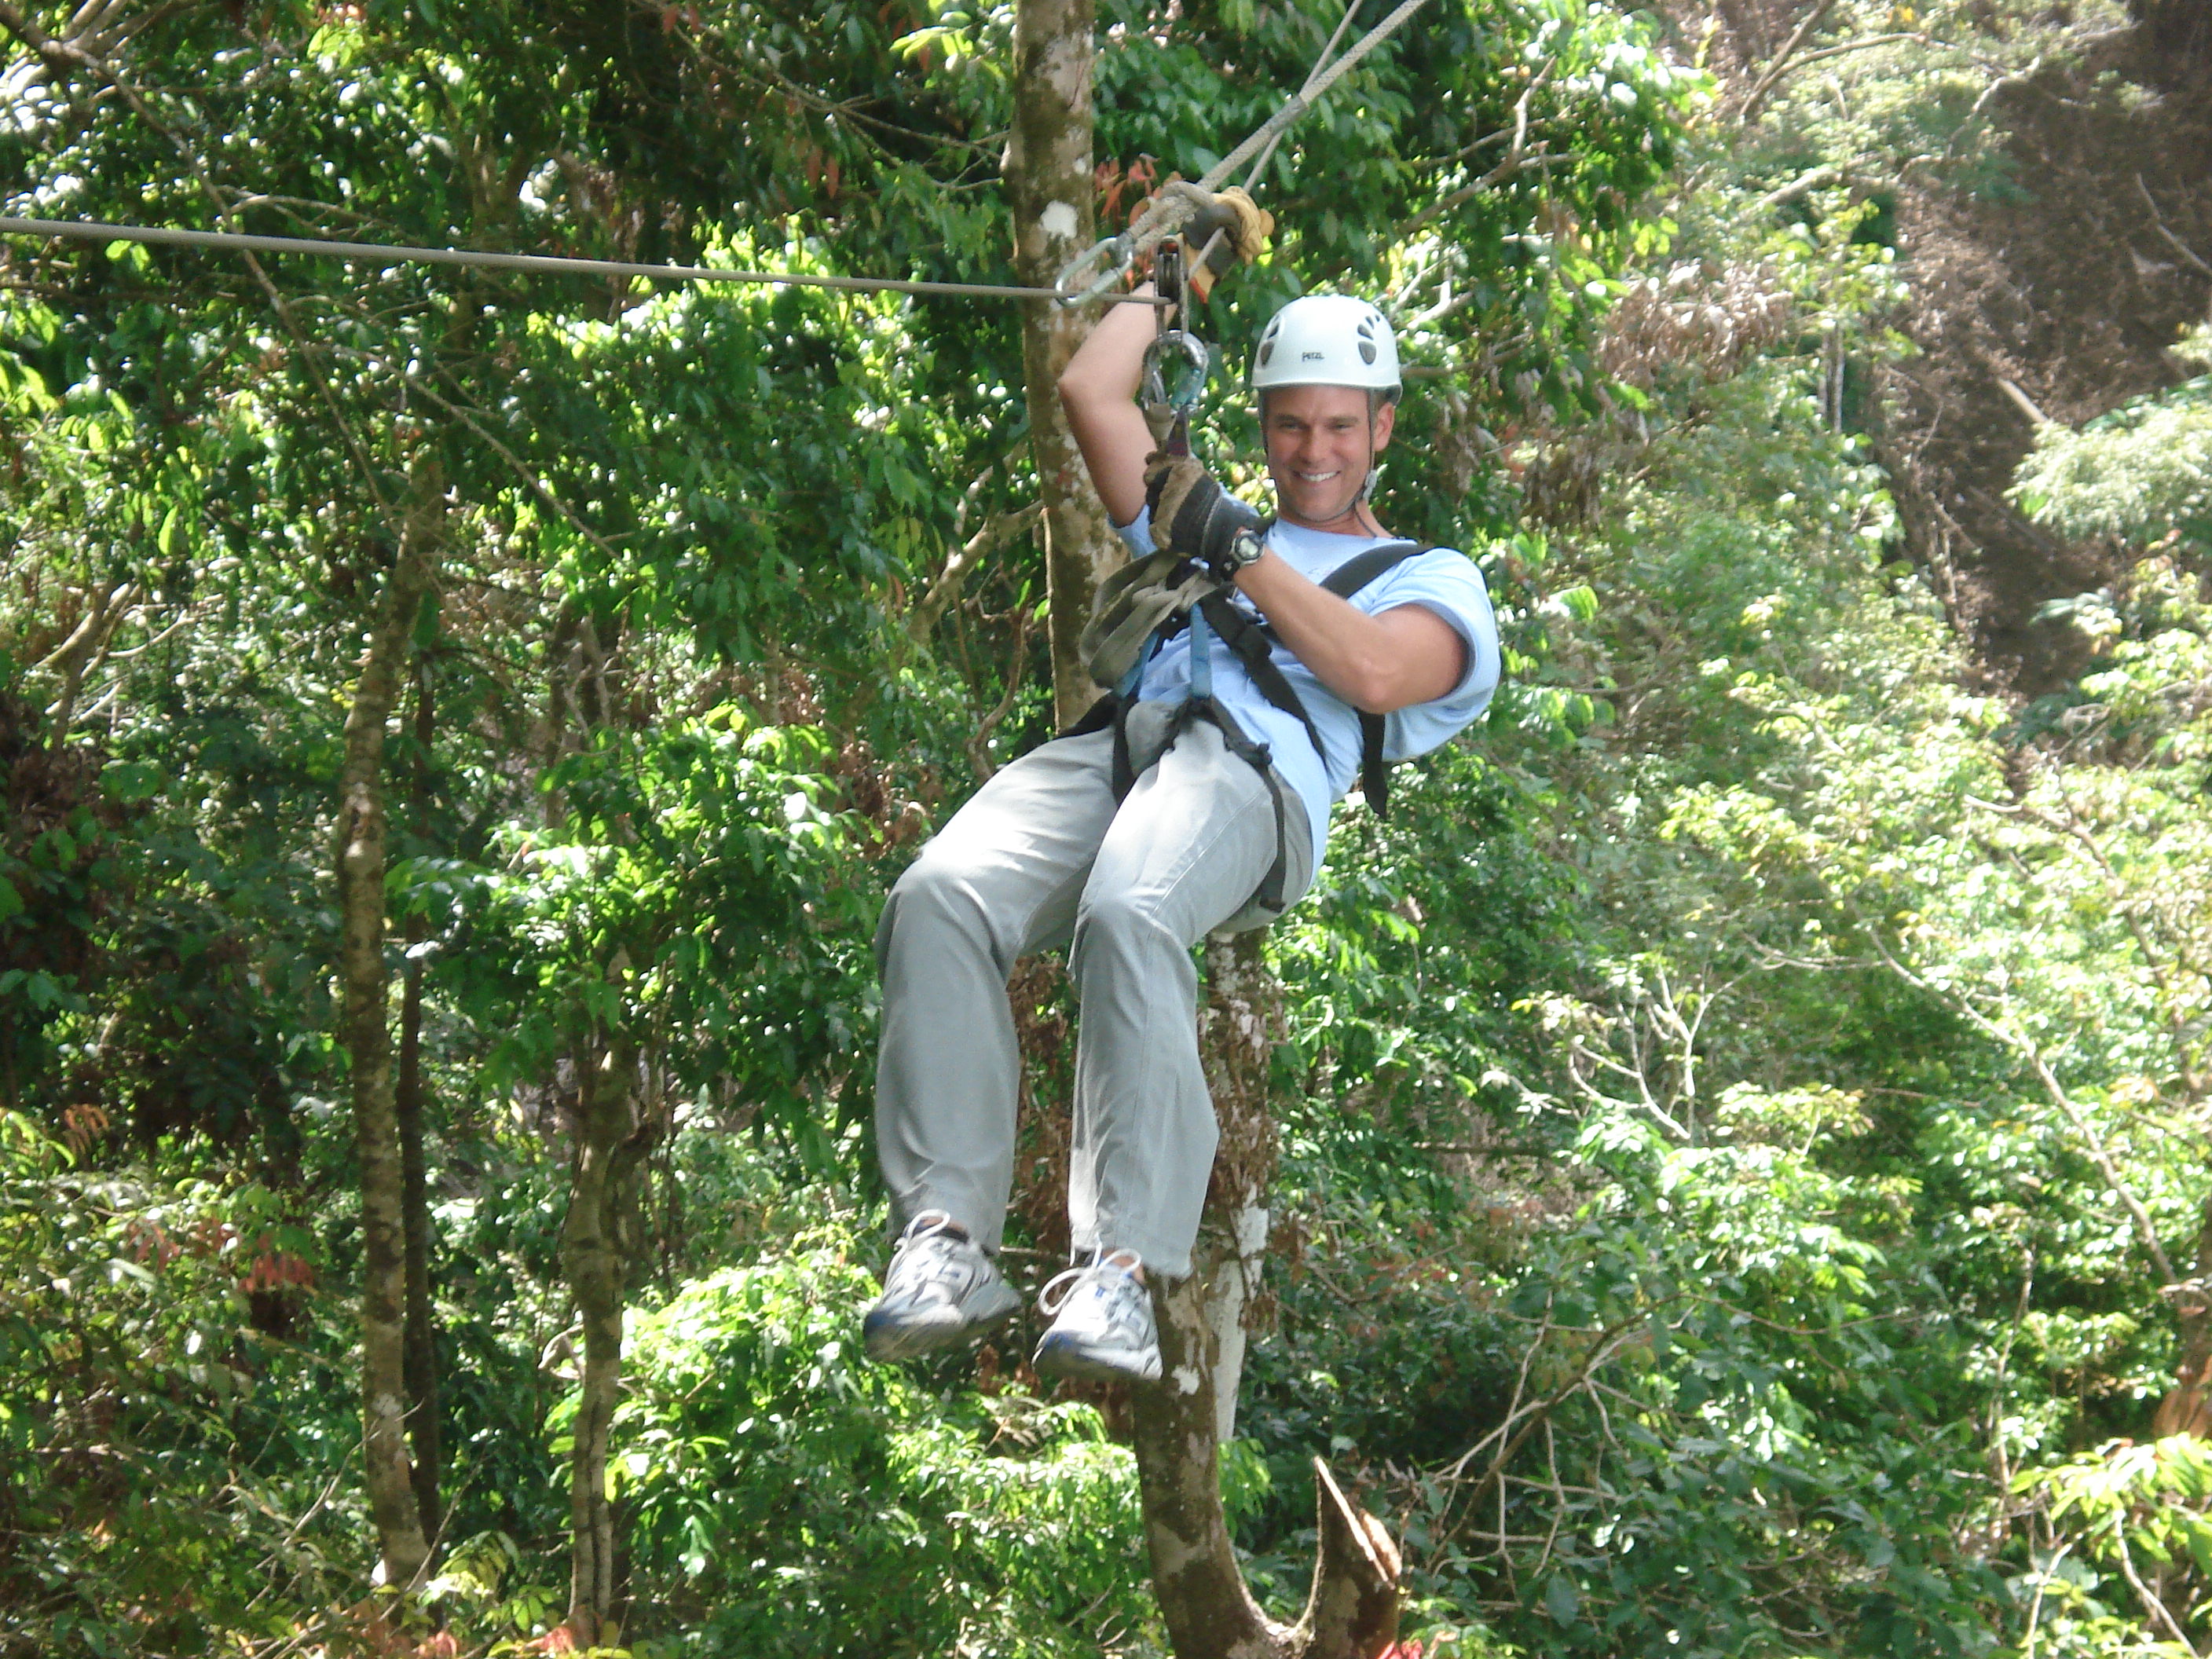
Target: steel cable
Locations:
point(544, 263)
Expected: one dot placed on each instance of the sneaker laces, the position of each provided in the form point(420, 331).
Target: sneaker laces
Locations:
point(929, 1223)
point(1124, 1288)
point(931, 1246)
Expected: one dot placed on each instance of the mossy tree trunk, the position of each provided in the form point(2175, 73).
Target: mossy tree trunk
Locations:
point(409, 1101)
point(360, 861)
point(1049, 188)
point(616, 1128)
point(1352, 1611)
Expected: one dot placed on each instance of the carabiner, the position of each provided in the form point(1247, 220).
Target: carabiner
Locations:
point(1121, 250)
point(1190, 379)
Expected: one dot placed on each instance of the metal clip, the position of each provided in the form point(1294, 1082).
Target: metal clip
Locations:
point(1190, 374)
point(1120, 251)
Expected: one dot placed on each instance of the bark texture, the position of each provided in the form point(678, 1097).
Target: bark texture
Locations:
point(599, 1244)
point(423, 1427)
point(403, 1546)
point(1352, 1612)
point(1049, 185)
point(2187, 1406)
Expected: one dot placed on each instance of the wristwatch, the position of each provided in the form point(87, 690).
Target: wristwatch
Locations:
point(1244, 548)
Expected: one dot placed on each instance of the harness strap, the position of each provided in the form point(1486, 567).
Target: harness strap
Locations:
point(1361, 569)
point(1255, 756)
point(1254, 643)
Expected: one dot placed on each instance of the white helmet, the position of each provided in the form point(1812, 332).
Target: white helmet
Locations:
point(1327, 339)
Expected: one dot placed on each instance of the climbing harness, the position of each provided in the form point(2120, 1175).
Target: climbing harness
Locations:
point(1092, 274)
point(1252, 643)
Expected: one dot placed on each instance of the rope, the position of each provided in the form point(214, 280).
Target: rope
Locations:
point(1316, 86)
point(551, 264)
point(1305, 92)
point(1171, 209)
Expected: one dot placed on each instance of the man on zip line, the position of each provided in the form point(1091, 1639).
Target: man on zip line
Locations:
point(1196, 799)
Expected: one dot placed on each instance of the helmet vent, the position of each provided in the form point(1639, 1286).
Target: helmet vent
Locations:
point(1267, 350)
point(1367, 351)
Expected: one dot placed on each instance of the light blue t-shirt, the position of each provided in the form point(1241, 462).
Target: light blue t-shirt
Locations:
point(1441, 580)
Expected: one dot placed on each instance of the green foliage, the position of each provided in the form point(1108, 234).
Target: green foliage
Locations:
point(2138, 473)
point(170, 1460)
point(697, 895)
point(790, 1499)
point(2138, 1512)
point(1716, 1084)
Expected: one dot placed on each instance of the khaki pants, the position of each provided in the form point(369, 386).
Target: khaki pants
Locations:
point(1044, 856)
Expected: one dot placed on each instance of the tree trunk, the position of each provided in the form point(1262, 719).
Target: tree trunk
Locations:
point(424, 1430)
point(2187, 1407)
point(1352, 1611)
point(596, 1245)
point(1048, 186)
point(360, 861)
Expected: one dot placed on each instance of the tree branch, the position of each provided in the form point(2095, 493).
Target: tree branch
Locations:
point(1609, 1340)
point(1766, 82)
point(979, 742)
point(931, 607)
point(2146, 1231)
point(2173, 241)
point(1812, 180)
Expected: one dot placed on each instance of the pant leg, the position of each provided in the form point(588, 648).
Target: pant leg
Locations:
point(1191, 843)
point(999, 881)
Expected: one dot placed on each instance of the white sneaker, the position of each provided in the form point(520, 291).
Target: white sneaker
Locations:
point(1102, 1325)
point(941, 1286)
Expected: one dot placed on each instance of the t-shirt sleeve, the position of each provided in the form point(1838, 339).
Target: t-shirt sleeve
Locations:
point(1449, 584)
point(1137, 534)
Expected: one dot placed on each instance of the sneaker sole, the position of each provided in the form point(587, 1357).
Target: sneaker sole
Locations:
point(888, 1341)
point(1088, 1365)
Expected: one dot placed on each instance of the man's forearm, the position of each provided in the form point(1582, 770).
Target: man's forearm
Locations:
point(1098, 389)
point(1406, 655)
point(1106, 366)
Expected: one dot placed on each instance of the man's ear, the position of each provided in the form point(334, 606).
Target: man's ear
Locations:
point(1386, 421)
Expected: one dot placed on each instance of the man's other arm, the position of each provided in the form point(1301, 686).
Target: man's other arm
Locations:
point(1406, 655)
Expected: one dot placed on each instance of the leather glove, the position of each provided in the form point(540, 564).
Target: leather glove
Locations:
point(1195, 518)
point(1245, 227)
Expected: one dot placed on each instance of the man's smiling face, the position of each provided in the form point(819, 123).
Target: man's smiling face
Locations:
point(1319, 446)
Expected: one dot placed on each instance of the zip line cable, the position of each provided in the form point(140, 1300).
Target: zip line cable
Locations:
point(1166, 214)
point(547, 264)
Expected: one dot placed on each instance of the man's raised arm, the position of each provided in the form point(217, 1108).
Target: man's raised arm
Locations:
point(1098, 390)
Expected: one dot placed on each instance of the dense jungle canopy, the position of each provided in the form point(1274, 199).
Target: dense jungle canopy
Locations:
point(1734, 1140)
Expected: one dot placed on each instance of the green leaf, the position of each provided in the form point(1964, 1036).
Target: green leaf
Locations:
point(1561, 1599)
point(132, 782)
